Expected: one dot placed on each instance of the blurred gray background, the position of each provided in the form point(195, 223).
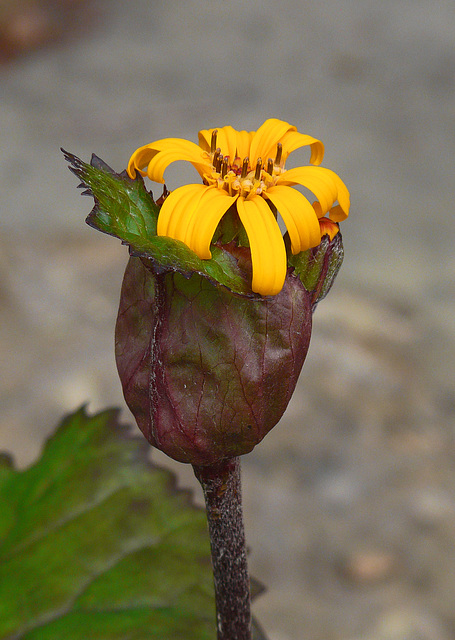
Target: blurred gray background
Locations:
point(350, 501)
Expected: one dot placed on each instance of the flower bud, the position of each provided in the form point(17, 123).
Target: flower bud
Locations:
point(207, 373)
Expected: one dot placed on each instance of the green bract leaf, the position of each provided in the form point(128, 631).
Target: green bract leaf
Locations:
point(125, 209)
point(97, 543)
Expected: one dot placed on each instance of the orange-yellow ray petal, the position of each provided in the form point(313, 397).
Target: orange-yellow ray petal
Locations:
point(293, 140)
point(344, 199)
point(337, 214)
point(139, 160)
point(157, 156)
point(211, 207)
point(314, 179)
point(244, 139)
point(324, 183)
point(318, 209)
point(328, 228)
point(268, 254)
point(298, 215)
point(227, 141)
point(263, 144)
point(176, 212)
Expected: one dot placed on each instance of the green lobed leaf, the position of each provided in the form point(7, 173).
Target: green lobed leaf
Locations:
point(125, 209)
point(96, 542)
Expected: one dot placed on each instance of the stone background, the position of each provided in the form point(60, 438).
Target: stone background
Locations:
point(350, 501)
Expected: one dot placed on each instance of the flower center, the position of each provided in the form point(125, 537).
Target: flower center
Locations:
point(242, 177)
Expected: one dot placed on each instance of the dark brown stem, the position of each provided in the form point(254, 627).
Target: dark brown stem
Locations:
point(223, 499)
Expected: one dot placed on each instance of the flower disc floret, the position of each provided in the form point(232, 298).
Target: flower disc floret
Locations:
point(247, 170)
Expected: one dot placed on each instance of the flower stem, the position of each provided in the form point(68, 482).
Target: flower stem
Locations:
point(223, 499)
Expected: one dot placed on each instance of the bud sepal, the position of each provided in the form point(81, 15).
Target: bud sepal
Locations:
point(318, 267)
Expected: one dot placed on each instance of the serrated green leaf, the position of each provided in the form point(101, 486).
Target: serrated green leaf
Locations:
point(125, 209)
point(97, 543)
point(100, 544)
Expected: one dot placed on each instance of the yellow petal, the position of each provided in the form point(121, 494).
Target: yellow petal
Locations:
point(244, 139)
point(324, 183)
point(176, 212)
point(263, 144)
point(211, 207)
point(316, 180)
point(337, 214)
point(268, 254)
point(298, 215)
point(158, 155)
point(293, 140)
point(138, 160)
point(328, 228)
point(227, 141)
point(343, 197)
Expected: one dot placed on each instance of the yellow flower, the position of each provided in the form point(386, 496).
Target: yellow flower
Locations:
point(246, 169)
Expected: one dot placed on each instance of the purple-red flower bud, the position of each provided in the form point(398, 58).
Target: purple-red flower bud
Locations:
point(207, 373)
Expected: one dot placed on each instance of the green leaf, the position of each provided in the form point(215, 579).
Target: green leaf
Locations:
point(97, 543)
point(125, 209)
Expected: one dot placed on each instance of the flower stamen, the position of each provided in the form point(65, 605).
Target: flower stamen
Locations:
point(224, 166)
point(245, 167)
point(213, 141)
point(257, 173)
point(279, 152)
point(218, 160)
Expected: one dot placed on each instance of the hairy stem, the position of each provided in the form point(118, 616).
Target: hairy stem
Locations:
point(223, 499)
